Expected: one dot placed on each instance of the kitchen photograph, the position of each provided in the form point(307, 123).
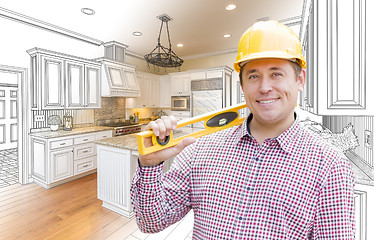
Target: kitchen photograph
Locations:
point(80, 79)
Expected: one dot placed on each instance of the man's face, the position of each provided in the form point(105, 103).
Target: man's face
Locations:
point(271, 89)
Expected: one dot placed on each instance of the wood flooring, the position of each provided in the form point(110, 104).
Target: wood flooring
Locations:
point(71, 211)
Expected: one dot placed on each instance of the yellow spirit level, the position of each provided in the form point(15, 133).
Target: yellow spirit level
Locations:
point(213, 122)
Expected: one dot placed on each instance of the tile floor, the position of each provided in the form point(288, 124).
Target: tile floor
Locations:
point(8, 167)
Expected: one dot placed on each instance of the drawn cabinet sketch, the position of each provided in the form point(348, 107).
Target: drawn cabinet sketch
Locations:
point(61, 164)
point(61, 81)
point(52, 85)
point(56, 160)
point(8, 116)
point(334, 36)
point(82, 85)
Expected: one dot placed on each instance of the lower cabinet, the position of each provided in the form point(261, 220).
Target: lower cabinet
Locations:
point(62, 159)
point(115, 169)
point(364, 209)
point(61, 164)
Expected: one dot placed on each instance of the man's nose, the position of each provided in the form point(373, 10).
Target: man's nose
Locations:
point(265, 85)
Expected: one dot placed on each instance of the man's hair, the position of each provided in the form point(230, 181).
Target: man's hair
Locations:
point(296, 67)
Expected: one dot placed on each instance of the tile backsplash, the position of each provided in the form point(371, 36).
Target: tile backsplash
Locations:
point(111, 107)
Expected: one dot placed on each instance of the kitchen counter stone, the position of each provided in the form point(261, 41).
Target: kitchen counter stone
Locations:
point(74, 131)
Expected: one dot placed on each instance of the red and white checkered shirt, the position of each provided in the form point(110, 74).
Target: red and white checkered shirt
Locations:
point(294, 186)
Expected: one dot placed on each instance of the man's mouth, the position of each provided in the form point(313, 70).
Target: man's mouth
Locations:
point(267, 101)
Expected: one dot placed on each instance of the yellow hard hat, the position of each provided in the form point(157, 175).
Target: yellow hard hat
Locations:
point(269, 39)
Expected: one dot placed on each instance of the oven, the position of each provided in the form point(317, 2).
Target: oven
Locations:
point(180, 103)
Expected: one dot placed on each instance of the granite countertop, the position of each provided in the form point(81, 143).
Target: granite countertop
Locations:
point(74, 131)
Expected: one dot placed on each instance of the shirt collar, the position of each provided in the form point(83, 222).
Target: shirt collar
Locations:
point(285, 140)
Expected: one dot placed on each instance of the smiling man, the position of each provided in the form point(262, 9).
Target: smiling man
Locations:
point(268, 178)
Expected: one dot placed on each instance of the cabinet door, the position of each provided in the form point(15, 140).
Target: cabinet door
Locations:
point(165, 97)
point(52, 82)
point(180, 85)
point(337, 44)
point(74, 84)
point(92, 86)
point(61, 164)
point(155, 92)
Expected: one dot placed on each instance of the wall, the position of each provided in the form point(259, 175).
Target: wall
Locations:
point(360, 123)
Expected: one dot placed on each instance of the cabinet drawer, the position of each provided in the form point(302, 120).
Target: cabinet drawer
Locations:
point(103, 135)
point(84, 150)
point(61, 143)
point(84, 139)
point(84, 165)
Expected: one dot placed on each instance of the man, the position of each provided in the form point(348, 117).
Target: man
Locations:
point(266, 179)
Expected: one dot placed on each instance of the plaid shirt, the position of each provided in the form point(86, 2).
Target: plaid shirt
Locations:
point(293, 186)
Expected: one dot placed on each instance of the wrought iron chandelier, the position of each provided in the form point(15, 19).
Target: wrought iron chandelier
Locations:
point(162, 56)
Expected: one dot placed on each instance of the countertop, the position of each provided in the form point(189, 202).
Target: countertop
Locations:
point(74, 131)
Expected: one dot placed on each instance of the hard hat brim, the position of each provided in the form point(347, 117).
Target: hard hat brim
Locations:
point(263, 55)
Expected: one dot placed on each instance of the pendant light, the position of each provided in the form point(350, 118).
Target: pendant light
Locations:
point(162, 56)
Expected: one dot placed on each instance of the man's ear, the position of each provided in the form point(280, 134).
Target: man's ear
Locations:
point(301, 80)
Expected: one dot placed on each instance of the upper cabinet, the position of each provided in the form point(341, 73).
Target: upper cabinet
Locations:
point(60, 81)
point(334, 36)
point(180, 84)
point(149, 92)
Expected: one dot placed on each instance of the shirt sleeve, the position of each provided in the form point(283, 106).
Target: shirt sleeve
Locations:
point(159, 200)
point(335, 214)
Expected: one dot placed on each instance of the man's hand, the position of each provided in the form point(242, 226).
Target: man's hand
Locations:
point(162, 128)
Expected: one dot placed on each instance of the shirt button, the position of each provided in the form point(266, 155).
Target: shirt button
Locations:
point(240, 218)
point(248, 189)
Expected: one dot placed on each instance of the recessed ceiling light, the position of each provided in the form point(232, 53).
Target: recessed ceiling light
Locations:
point(230, 7)
point(179, 45)
point(227, 35)
point(88, 11)
point(137, 33)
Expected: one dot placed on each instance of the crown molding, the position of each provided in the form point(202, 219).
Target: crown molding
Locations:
point(14, 16)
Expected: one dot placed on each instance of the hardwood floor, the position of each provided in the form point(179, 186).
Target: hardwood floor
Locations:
point(71, 211)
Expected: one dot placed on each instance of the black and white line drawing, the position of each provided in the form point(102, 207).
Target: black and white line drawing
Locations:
point(51, 66)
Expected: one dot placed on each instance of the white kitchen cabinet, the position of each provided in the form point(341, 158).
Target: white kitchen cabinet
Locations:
point(115, 169)
point(334, 35)
point(149, 92)
point(61, 159)
point(52, 82)
point(165, 92)
point(61, 164)
point(364, 209)
point(180, 84)
point(60, 81)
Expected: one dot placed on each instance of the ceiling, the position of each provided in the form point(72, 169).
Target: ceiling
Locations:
point(198, 24)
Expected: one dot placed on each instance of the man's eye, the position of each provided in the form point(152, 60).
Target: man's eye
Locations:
point(252, 77)
point(277, 74)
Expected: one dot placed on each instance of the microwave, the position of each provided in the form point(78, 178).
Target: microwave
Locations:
point(180, 103)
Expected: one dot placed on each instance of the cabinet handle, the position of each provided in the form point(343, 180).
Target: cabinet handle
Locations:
point(86, 139)
point(86, 165)
point(104, 136)
point(62, 144)
point(85, 151)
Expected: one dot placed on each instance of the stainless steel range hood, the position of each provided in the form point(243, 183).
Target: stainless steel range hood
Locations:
point(118, 78)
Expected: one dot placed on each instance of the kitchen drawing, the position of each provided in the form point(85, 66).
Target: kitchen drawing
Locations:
point(74, 91)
